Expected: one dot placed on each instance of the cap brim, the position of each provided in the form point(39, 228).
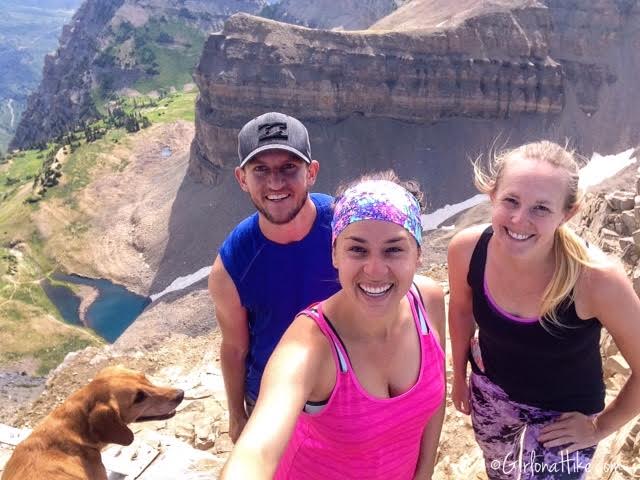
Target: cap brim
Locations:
point(275, 146)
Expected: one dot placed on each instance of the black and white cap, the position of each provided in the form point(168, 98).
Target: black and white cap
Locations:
point(273, 131)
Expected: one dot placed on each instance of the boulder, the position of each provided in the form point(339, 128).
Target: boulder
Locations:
point(626, 242)
point(205, 435)
point(608, 346)
point(628, 220)
point(184, 430)
point(609, 245)
point(223, 444)
point(609, 234)
point(620, 201)
point(630, 256)
point(616, 364)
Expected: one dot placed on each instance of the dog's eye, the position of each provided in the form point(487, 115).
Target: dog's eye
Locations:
point(140, 396)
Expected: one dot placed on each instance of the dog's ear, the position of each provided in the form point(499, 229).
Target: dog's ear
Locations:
point(107, 426)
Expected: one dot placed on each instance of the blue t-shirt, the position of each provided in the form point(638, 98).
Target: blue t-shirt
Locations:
point(276, 281)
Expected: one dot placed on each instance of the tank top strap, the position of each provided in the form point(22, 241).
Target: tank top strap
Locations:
point(417, 309)
point(314, 312)
point(475, 276)
point(429, 337)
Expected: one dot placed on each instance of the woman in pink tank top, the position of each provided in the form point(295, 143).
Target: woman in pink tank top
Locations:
point(355, 388)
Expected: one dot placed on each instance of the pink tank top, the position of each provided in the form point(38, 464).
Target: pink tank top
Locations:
point(357, 436)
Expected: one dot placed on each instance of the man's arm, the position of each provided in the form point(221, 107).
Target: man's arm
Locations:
point(232, 320)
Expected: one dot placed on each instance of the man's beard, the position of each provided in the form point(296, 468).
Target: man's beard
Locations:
point(292, 214)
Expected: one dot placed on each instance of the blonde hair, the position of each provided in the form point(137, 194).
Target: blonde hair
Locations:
point(570, 252)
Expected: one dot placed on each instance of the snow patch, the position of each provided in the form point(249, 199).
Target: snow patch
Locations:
point(432, 220)
point(600, 167)
point(183, 282)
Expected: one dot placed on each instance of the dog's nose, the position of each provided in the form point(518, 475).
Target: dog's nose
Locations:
point(179, 396)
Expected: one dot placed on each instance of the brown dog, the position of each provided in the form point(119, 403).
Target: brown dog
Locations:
point(66, 444)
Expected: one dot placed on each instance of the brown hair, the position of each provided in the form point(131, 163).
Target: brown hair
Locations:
point(570, 252)
point(412, 186)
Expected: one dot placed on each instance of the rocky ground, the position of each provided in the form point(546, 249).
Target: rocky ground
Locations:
point(192, 363)
point(18, 388)
point(176, 341)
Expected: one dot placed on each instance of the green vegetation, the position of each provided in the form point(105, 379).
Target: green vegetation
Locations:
point(171, 49)
point(159, 59)
point(20, 168)
point(30, 324)
point(175, 106)
point(165, 107)
point(79, 164)
point(51, 357)
point(161, 54)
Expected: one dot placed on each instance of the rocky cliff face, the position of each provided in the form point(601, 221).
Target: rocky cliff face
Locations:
point(90, 56)
point(324, 75)
point(343, 15)
point(597, 45)
point(29, 30)
point(113, 45)
point(64, 94)
point(591, 41)
point(438, 80)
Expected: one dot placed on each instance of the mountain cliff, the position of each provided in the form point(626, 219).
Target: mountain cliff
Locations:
point(113, 46)
point(427, 86)
point(343, 15)
point(28, 31)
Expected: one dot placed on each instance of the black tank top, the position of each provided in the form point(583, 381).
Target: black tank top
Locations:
point(557, 370)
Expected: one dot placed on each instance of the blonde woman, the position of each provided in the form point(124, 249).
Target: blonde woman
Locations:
point(539, 297)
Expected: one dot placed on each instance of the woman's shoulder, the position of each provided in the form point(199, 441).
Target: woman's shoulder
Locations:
point(461, 249)
point(601, 278)
point(428, 287)
point(606, 292)
point(304, 333)
point(431, 293)
point(465, 240)
point(433, 300)
point(601, 270)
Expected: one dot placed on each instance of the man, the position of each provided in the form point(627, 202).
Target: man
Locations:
point(274, 263)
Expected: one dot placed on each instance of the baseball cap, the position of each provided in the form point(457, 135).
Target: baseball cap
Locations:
point(273, 131)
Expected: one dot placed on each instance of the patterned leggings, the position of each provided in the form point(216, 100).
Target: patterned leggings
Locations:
point(507, 433)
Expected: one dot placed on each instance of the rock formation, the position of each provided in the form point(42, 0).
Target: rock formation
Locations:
point(426, 87)
point(73, 73)
point(89, 63)
point(64, 93)
point(343, 15)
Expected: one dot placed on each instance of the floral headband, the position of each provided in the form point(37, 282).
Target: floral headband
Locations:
point(377, 200)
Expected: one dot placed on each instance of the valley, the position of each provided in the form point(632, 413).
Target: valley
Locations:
point(124, 157)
